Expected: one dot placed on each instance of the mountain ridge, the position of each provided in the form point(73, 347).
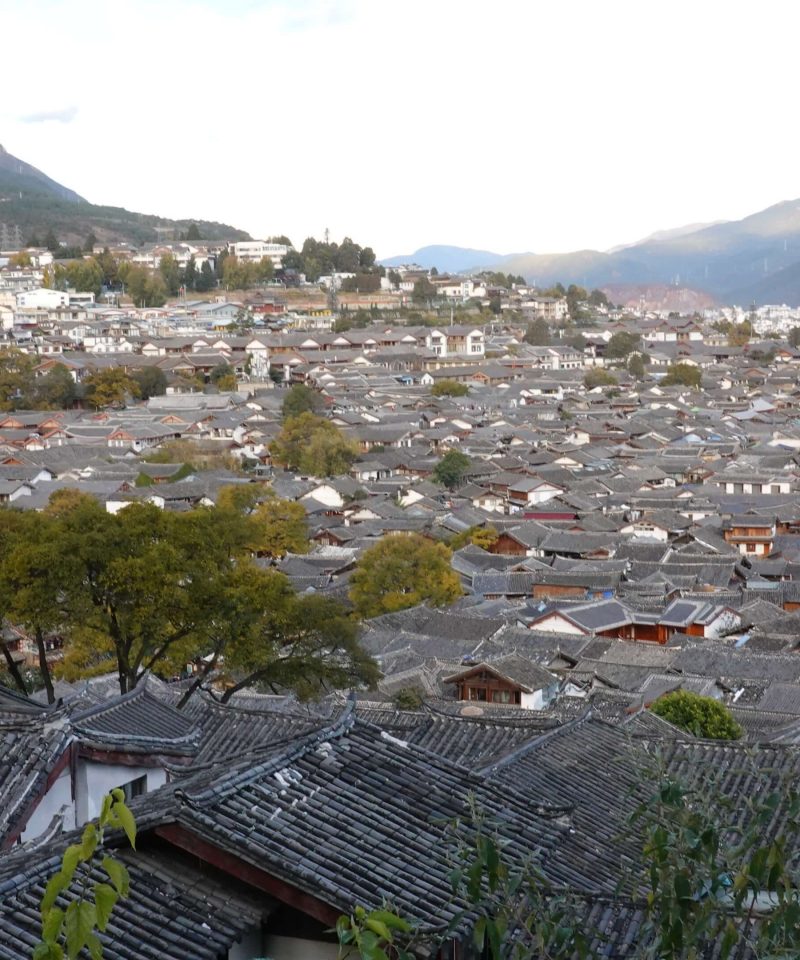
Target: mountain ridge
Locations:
point(35, 203)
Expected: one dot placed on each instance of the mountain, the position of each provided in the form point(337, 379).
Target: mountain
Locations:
point(672, 234)
point(34, 203)
point(16, 176)
point(446, 259)
point(755, 259)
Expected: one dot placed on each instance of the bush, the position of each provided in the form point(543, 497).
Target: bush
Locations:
point(700, 716)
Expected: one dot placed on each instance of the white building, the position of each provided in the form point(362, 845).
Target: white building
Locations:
point(254, 251)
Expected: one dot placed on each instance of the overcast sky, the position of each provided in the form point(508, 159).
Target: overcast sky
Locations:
point(508, 125)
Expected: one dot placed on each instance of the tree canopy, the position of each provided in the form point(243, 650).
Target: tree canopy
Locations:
point(313, 445)
point(682, 374)
point(449, 388)
point(701, 716)
point(301, 399)
point(400, 571)
point(450, 469)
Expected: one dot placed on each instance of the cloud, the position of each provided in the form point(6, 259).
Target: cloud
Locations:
point(65, 115)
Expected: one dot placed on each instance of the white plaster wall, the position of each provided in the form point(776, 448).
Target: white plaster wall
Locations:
point(58, 796)
point(94, 780)
point(556, 624)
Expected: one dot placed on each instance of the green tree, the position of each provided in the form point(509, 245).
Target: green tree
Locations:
point(739, 334)
point(89, 242)
point(449, 388)
point(636, 367)
point(682, 374)
point(205, 280)
point(145, 288)
point(301, 399)
point(423, 291)
point(537, 333)
point(151, 381)
point(170, 273)
point(16, 376)
point(72, 932)
point(621, 345)
point(193, 233)
point(56, 390)
point(280, 527)
point(394, 278)
point(701, 716)
point(451, 468)
point(403, 570)
point(307, 644)
point(314, 446)
point(598, 377)
point(482, 537)
point(110, 387)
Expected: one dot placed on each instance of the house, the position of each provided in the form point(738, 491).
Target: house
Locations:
point(507, 680)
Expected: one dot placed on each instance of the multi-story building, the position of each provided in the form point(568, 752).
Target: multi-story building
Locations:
point(254, 251)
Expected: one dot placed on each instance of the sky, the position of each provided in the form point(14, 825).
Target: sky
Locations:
point(510, 125)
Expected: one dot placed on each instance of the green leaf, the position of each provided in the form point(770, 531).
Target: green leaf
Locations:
point(392, 921)
point(78, 924)
point(52, 922)
point(118, 874)
point(126, 821)
point(48, 951)
point(105, 899)
point(95, 946)
point(88, 842)
point(69, 863)
point(55, 885)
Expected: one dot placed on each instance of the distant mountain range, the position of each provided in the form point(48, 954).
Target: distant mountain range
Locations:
point(753, 260)
point(446, 259)
point(33, 202)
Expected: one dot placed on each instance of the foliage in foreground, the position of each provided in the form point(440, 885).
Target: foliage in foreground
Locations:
point(718, 875)
point(66, 932)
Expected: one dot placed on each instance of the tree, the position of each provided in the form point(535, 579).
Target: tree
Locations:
point(223, 377)
point(451, 468)
point(403, 570)
point(636, 367)
point(395, 279)
point(621, 345)
point(193, 233)
point(301, 399)
point(482, 537)
point(145, 288)
point(314, 446)
point(68, 933)
point(307, 644)
point(33, 575)
point(598, 299)
point(56, 390)
point(537, 333)
point(739, 334)
point(794, 337)
point(280, 527)
point(449, 388)
point(151, 382)
point(206, 280)
point(701, 716)
point(90, 242)
point(189, 274)
point(16, 375)
point(143, 582)
point(598, 377)
point(423, 291)
point(20, 260)
point(51, 241)
point(170, 273)
point(110, 388)
point(682, 374)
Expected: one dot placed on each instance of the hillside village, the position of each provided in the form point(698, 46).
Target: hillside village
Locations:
point(620, 531)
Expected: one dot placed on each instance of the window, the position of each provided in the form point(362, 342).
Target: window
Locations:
point(751, 547)
point(477, 693)
point(134, 788)
point(501, 696)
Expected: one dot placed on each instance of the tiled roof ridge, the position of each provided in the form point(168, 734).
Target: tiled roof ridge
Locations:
point(209, 794)
point(537, 742)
